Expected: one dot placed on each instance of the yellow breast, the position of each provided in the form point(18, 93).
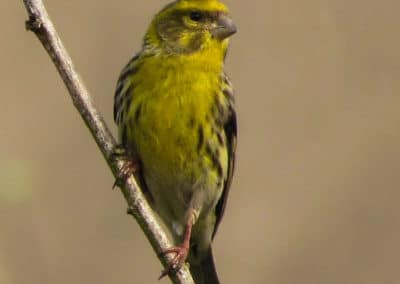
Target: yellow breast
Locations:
point(175, 96)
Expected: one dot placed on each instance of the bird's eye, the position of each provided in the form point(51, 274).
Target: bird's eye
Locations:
point(196, 16)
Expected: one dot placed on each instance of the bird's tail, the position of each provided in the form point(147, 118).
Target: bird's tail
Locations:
point(204, 272)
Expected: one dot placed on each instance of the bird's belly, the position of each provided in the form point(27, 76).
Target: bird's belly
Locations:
point(169, 147)
point(175, 165)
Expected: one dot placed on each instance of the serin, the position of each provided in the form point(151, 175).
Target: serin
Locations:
point(175, 111)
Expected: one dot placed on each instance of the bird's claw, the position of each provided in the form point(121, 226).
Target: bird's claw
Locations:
point(130, 166)
point(181, 253)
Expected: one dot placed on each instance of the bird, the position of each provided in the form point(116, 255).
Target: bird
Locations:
point(175, 111)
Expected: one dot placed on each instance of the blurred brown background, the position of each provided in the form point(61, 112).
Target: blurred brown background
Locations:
point(316, 193)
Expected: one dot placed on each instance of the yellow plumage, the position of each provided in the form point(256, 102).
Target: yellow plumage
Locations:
point(174, 108)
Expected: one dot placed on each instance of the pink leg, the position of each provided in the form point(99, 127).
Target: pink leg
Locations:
point(181, 251)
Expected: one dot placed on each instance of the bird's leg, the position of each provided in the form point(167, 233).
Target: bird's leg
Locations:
point(129, 167)
point(181, 251)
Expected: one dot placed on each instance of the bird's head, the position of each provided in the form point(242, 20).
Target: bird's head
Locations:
point(187, 26)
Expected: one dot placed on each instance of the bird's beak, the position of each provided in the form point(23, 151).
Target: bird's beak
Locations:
point(224, 28)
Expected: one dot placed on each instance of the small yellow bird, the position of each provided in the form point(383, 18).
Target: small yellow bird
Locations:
point(175, 112)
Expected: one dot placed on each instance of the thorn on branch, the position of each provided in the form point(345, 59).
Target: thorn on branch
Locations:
point(33, 24)
point(130, 211)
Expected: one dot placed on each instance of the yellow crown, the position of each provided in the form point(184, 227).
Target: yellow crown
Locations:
point(208, 5)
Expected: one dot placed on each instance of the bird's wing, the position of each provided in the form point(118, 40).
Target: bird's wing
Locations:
point(124, 89)
point(122, 102)
point(230, 129)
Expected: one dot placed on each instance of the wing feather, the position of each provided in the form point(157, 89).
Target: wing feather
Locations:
point(230, 130)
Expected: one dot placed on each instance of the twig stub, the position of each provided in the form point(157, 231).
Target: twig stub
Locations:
point(33, 24)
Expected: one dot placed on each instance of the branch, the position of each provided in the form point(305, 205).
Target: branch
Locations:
point(40, 23)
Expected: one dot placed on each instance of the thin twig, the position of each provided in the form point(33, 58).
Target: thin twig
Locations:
point(39, 23)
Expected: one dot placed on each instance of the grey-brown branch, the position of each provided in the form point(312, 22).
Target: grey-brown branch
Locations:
point(40, 23)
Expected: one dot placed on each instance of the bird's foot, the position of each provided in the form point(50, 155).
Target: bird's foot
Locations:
point(181, 252)
point(130, 165)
